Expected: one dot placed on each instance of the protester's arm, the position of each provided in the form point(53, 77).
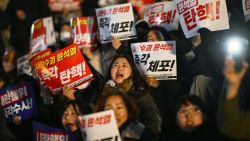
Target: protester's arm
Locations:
point(231, 120)
point(121, 47)
point(93, 59)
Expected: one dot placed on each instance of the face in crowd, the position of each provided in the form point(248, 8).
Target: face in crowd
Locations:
point(70, 118)
point(120, 70)
point(154, 35)
point(189, 117)
point(65, 34)
point(117, 104)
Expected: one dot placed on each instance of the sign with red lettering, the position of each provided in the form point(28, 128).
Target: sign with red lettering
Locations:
point(140, 5)
point(246, 9)
point(68, 5)
point(83, 31)
point(41, 55)
point(156, 59)
point(117, 20)
point(38, 56)
point(196, 14)
point(162, 14)
point(103, 123)
point(64, 67)
point(42, 34)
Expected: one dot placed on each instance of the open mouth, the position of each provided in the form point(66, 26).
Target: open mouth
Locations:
point(119, 75)
point(190, 123)
point(69, 126)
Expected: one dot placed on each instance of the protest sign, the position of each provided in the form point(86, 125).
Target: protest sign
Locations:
point(103, 123)
point(83, 31)
point(42, 34)
point(41, 55)
point(23, 66)
point(117, 20)
point(196, 14)
point(140, 5)
point(156, 59)
point(68, 5)
point(43, 132)
point(64, 67)
point(162, 14)
point(246, 9)
point(18, 100)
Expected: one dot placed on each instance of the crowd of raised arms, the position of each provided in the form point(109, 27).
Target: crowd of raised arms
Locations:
point(208, 100)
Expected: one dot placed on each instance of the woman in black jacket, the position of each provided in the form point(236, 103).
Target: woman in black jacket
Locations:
point(123, 72)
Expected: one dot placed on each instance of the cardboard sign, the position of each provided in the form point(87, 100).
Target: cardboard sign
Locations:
point(117, 20)
point(83, 31)
point(68, 5)
point(246, 9)
point(156, 59)
point(162, 14)
point(42, 34)
point(38, 37)
point(196, 14)
point(64, 67)
point(18, 100)
point(23, 66)
point(100, 126)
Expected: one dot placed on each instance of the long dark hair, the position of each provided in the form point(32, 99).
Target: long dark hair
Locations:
point(137, 79)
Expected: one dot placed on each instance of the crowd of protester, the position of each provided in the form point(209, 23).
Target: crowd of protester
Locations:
point(209, 100)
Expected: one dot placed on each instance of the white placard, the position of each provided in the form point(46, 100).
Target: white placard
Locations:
point(156, 59)
point(196, 14)
point(246, 9)
point(117, 20)
point(23, 66)
point(162, 14)
point(100, 126)
point(42, 34)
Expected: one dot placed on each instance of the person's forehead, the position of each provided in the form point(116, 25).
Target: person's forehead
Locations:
point(188, 105)
point(115, 98)
point(151, 32)
point(121, 59)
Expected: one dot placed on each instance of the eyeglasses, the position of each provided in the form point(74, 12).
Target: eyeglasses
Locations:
point(194, 110)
